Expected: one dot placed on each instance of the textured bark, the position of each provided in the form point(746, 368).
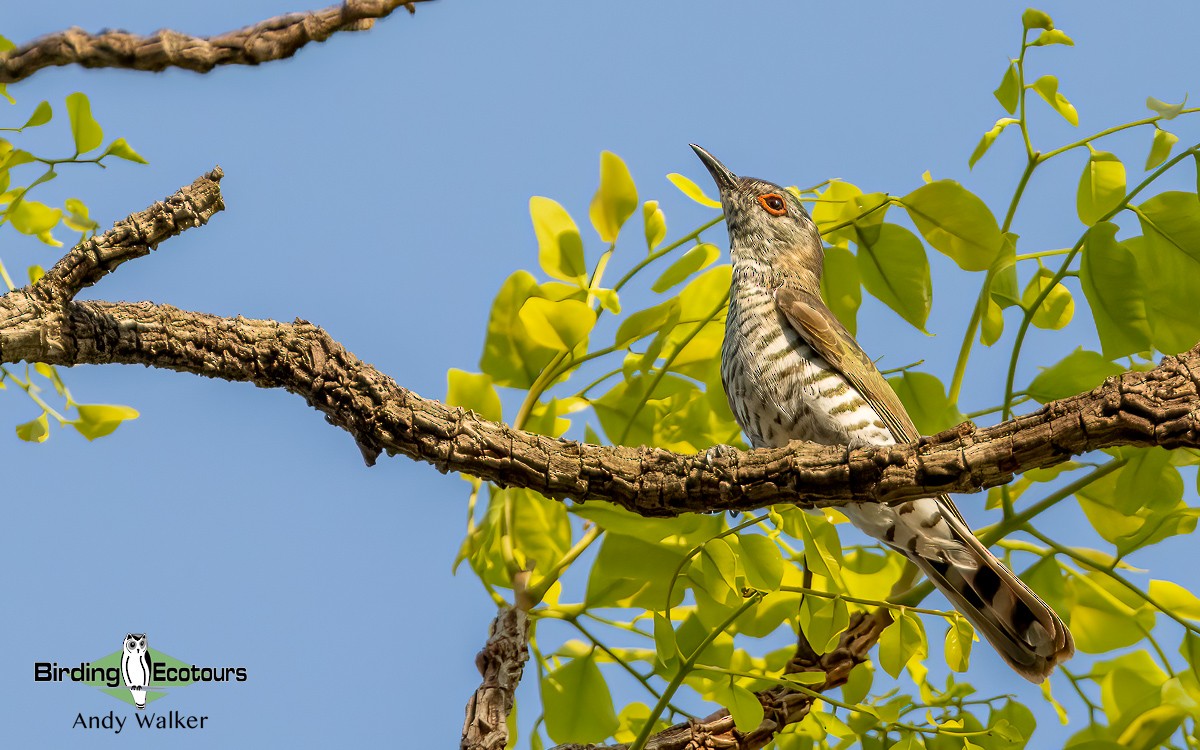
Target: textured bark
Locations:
point(274, 39)
point(43, 323)
point(500, 663)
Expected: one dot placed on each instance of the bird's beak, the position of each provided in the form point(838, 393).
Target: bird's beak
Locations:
point(725, 179)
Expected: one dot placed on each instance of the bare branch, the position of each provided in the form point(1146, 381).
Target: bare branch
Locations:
point(41, 324)
point(274, 39)
point(501, 663)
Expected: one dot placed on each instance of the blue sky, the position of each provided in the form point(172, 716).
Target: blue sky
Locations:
point(378, 185)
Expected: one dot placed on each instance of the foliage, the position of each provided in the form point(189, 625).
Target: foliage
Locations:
point(706, 607)
point(38, 220)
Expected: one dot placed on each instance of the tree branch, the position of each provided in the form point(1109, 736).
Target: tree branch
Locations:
point(44, 323)
point(274, 39)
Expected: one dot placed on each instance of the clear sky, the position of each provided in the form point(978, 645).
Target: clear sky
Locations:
point(377, 185)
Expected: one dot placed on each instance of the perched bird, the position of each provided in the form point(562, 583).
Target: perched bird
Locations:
point(793, 372)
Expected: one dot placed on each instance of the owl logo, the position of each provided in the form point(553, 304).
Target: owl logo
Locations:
point(136, 667)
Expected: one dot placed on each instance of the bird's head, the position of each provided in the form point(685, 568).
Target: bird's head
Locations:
point(767, 224)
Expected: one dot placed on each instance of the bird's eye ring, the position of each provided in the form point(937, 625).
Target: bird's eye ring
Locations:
point(773, 203)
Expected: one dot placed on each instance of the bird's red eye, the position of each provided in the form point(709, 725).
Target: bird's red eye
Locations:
point(774, 204)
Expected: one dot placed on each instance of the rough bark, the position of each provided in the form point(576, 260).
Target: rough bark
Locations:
point(44, 323)
point(274, 39)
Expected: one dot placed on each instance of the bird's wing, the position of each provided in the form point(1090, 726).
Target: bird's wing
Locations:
point(821, 330)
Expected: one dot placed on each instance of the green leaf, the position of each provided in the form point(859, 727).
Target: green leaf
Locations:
point(895, 270)
point(836, 206)
point(6, 45)
point(822, 548)
point(956, 222)
point(656, 224)
point(743, 705)
point(1104, 618)
point(700, 256)
point(98, 420)
point(1056, 309)
point(1052, 36)
point(823, 621)
point(122, 150)
point(1033, 18)
point(858, 684)
point(1008, 93)
point(560, 324)
point(1164, 110)
point(35, 431)
point(959, 638)
point(1152, 728)
point(692, 190)
point(1160, 147)
point(666, 653)
point(616, 199)
point(1169, 258)
point(609, 300)
point(1190, 649)
point(510, 355)
point(1175, 599)
point(41, 115)
point(901, 642)
point(1115, 292)
point(1047, 88)
point(566, 691)
point(718, 569)
point(924, 396)
point(86, 131)
point(77, 217)
point(1079, 371)
point(560, 249)
point(762, 561)
point(33, 218)
point(840, 286)
point(1101, 187)
point(646, 322)
point(990, 136)
point(473, 391)
point(1148, 481)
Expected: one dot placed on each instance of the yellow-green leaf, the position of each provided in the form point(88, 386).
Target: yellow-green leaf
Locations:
point(924, 397)
point(41, 115)
point(33, 218)
point(1164, 110)
point(692, 190)
point(616, 199)
point(989, 138)
point(1175, 599)
point(1101, 187)
point(1047, 88)
point(743, 705)
point(1033, 18)
point(1079, 371)
point(762, 561)
point(560, 248)
point(1160, 147)
point(475, 391)
point(700, 256)
point(1115, 292)
point(34, 431)
point(122, 150)
point(645, 322)
point(1169, 258)
point(822, 621)
point(1052, 36)
point(1008, 93)
point(557, 324)
point(1056, 309)
point(959, 638)
point(77, 217)
point(956, 222)
point(840, 285)
point(98, 420)
point(86, 131)
point(895, 270)
point(656, 224)
point(566, 691)
point(901, 642)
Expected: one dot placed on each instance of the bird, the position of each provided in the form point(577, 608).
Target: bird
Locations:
point(792, 371)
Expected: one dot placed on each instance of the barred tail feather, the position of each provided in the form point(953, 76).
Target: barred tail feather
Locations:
point(1026, 632)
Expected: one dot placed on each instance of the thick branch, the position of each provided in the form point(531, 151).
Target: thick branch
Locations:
point(43, 323)
point(274, 39)
point(500, 663)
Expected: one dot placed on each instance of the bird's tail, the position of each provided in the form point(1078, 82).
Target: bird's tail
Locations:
point(1020, 626)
